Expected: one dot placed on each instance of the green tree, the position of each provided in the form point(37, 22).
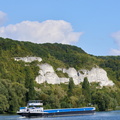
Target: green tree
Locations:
point(4, 106)
point(71, 86)
point(86, 90)
point(29, 84)
point(102, 100)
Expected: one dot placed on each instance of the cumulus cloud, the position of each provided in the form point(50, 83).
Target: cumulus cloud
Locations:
point(115, 51)
point(2, 17)
point(116, 37)
point(50, 31)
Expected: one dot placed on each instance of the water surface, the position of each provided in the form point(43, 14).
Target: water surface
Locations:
point(111, 115)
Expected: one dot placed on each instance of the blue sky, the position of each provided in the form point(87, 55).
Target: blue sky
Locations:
point(93, 25)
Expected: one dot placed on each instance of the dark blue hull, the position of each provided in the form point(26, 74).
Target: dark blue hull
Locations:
point(61, 112)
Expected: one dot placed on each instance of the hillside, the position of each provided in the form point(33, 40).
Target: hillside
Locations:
point(18, 85)
point(59, 52)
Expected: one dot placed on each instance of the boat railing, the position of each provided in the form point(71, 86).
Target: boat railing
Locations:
point(35, 103)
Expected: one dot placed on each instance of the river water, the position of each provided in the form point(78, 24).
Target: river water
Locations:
point(111, 115)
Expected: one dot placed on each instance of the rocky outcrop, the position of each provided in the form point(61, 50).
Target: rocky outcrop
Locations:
point(28, 59)
point(47, 74)
point(96, 74)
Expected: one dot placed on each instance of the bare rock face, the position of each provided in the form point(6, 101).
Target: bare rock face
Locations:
point(94, 75)
point(28, 59)
point(72, 73)
point(47, 74)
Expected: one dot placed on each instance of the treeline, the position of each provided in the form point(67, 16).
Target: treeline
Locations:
point(17, 78)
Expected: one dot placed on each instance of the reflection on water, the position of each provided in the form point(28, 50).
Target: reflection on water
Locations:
point(111, 115)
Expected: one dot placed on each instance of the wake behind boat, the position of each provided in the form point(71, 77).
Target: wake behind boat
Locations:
point(34, 109)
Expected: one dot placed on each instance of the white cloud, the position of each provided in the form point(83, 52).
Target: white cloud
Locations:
point(115, 52)
point(116, 37)
point(48, 31)
point(2, 17)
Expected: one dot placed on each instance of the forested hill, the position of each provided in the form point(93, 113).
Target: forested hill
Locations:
point(17, 47)
point(17, 78)
point(61, 54)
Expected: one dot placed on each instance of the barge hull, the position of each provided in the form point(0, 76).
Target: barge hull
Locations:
point(57, 114)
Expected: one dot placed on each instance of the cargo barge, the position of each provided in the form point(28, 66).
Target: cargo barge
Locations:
point(34, 109)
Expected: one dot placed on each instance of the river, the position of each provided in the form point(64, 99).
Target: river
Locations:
point(111, 115)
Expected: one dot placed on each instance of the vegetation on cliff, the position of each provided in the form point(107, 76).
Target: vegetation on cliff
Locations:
point(17, 78)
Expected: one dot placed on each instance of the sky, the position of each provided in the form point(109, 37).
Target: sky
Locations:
point(93, 25)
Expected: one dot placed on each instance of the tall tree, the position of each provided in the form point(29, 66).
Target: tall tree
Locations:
point(71, 85)
point(86, 90)
point(29, 83)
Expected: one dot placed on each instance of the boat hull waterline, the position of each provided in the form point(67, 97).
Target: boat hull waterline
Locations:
point(60, 112)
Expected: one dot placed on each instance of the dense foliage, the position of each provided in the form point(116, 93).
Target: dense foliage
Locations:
point(17, 78)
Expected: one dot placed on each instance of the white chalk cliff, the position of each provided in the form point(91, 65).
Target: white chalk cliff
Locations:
point(47, 74)
point(28, 59)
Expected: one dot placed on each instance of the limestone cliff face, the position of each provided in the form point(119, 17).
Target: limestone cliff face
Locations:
point(28, 59)
point(47, 74)
point(96, 74)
